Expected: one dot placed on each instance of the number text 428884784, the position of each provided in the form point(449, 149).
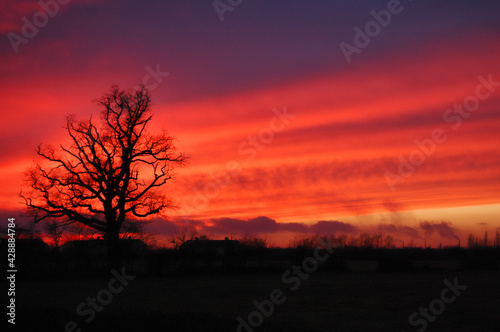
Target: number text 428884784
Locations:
point(11, 271)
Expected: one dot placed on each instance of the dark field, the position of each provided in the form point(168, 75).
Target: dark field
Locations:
point(324, 302)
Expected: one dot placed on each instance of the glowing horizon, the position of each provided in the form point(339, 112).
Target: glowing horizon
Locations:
point(330, 132)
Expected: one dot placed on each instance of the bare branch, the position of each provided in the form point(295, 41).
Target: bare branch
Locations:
point(108, 171)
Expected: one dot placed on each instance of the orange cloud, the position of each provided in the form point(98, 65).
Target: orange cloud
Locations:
point(350, 127)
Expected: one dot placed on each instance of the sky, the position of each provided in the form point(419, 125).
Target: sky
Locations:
point(300, 117)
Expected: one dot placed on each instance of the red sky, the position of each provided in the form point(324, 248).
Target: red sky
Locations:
point(321, 169)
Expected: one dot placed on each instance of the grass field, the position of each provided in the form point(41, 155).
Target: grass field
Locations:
point(324, 302)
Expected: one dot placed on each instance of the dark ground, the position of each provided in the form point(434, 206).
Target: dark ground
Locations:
point(325, 302)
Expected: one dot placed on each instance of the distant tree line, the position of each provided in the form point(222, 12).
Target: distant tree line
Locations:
point(475, 241)
point(364, 240)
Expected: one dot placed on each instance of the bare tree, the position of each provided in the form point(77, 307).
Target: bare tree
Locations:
point(110, 171)
point(389, 241)
point(82, 231)
point(341, 240)
point(55, 231)
point(254, 242)
point(134, 228)
point(303, 241)
point(365, 240)
point(377, 240)
point(184, 234)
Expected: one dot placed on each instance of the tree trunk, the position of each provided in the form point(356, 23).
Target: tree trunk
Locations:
point(114, 252)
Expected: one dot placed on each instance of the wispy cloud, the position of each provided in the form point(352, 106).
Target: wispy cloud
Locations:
point(443, 228)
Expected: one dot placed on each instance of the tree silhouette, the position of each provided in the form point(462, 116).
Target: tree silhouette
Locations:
point(184, 234)
point(108, 173)
point(55, 231)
